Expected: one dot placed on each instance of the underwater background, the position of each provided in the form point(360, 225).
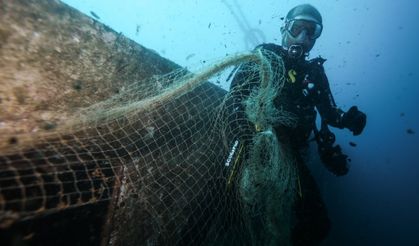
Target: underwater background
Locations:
point(371, 49)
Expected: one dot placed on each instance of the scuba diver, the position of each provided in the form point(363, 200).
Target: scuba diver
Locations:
point(306, 88)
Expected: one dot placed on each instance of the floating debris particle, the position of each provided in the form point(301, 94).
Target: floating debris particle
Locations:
point(410, 131)
point(402, 114)
point(209, 25)
point(94, 15)
point(352, 144)
point(377, 55)
point(189, 56)
point(137, 29)
point(282, 18)
point(260, 21)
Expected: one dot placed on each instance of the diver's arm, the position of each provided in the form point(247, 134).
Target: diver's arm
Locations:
point(326, 105)
point(240, 90)
point(353, 119)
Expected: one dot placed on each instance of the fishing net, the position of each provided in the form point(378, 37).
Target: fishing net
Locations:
point(169, 156)
point(168, 143)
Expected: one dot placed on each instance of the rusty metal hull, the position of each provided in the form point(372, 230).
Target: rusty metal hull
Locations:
point(54, 61)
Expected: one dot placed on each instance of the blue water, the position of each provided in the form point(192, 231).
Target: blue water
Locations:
point(372, 51)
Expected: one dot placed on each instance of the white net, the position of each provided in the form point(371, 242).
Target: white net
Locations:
point(168, 152)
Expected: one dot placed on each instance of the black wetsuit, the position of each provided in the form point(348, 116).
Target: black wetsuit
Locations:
point(306, 88)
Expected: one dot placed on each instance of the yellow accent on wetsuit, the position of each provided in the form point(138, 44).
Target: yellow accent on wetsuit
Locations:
point(291, 74)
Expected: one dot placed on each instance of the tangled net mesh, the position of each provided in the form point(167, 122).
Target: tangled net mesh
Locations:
point(166, 151)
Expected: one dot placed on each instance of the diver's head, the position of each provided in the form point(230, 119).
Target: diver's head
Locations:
point(302, 26)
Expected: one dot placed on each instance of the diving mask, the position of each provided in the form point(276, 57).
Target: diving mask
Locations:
point(296, 26)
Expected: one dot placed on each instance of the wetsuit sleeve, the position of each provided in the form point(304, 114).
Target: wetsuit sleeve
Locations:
point(325, 102)
point(240, 90)
point(241, 87)
point(246, 79)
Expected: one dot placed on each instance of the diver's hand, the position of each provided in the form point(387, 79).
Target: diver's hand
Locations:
point(354, 120)
point(334, 160)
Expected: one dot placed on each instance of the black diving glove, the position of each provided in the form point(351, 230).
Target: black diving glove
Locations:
point(354, 120)
point(334, 160)
point(331, 156)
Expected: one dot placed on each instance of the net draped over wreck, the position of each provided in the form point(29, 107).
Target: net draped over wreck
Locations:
point(102, 141)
